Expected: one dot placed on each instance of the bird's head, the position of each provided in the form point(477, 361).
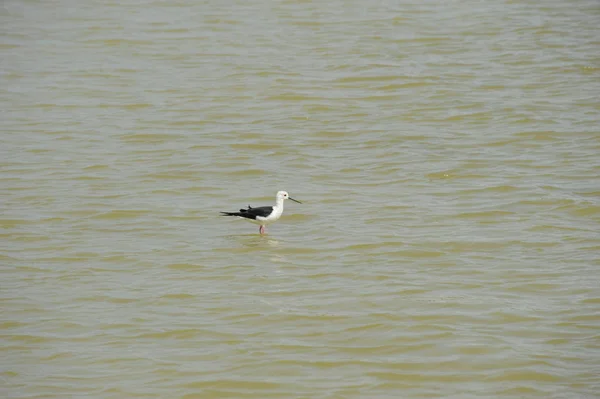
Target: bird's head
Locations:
point(283, 195)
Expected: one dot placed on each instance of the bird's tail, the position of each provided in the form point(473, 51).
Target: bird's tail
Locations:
point(236, 213)
point(230, 214)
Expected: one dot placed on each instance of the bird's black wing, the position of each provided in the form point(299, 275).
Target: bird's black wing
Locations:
point(251, 213)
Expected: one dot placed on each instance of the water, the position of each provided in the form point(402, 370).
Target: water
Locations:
point(446, 154)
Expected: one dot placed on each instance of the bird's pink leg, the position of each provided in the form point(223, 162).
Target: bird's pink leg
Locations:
point(261, 230)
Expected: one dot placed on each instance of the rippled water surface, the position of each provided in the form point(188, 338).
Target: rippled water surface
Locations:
point(447, 154)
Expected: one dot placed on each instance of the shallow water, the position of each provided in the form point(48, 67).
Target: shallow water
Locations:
point(446, 154)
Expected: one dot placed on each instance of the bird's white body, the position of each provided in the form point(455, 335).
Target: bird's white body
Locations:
point(273, 217)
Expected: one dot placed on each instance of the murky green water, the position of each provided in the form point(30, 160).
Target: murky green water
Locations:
point(447, 157)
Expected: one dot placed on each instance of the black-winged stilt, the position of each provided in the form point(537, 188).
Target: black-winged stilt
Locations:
point(263, 215)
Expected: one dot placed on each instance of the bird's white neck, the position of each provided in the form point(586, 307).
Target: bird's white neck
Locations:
point(279, 203)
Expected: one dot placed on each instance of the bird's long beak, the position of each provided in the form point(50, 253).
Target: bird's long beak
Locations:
point(294, 200)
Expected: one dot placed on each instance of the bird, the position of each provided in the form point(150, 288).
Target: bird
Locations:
point(263, 215)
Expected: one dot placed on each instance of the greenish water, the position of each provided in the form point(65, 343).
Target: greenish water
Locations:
point(447, 158)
